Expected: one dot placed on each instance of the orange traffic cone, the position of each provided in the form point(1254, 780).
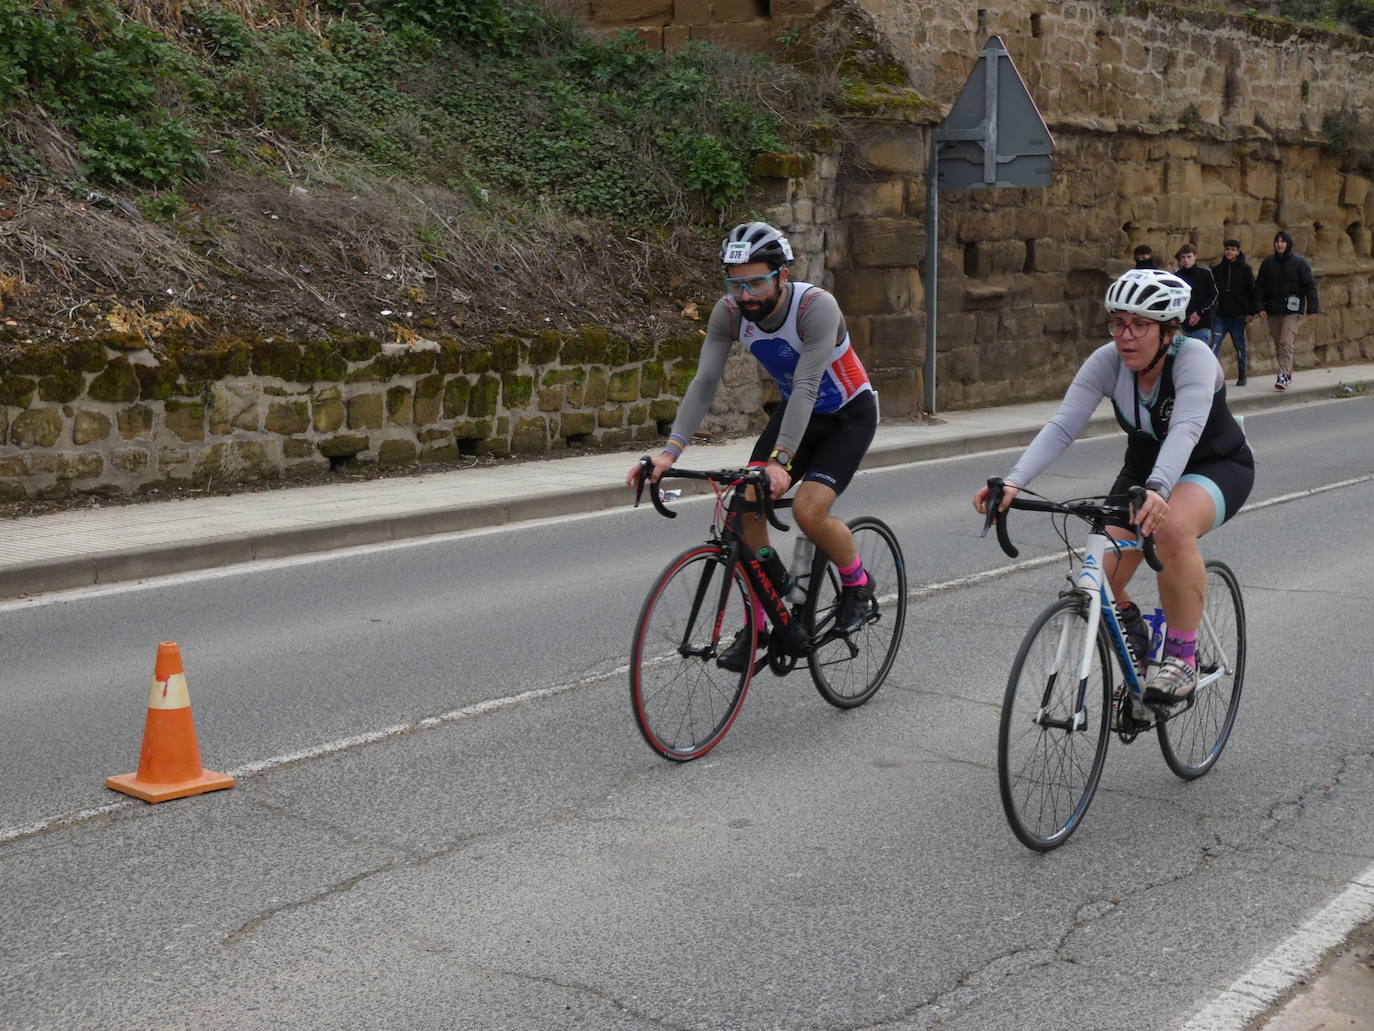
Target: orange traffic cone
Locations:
point(169, 764)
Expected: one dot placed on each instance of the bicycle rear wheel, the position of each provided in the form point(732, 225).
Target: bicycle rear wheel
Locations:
point(848, 671)
point(1192, 739)
point(683, 702)
point(1051, 745)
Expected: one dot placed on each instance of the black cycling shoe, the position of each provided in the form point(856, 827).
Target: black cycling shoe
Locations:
point(739, 654)
point(855, 605)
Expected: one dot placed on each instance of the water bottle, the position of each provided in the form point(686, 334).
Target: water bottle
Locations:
point(777, 572)
point(803, 552)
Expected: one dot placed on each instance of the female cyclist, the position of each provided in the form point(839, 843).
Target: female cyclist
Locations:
point(1183, 445)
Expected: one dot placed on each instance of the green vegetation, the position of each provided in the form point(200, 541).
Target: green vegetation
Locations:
point(475, 95)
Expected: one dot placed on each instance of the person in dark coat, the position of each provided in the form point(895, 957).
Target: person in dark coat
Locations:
point(1288, 291)
point(1237, 303)
point(1197, 322)
point(1144, 256)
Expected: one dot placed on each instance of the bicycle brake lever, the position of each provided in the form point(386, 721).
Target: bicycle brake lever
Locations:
point(998, 518)
point(645, 464)
point(1147, 543)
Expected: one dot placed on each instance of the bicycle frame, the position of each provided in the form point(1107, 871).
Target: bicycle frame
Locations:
point(1090, 580)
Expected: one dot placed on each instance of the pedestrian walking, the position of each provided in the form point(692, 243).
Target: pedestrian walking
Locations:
point(1237, 303)
point(1288, 291)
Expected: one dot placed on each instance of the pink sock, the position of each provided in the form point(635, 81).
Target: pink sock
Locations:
point(1182, 644)
point(853, 575)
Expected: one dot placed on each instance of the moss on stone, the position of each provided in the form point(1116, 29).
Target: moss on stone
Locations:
point(61, 387)
point(456, 392)
point(544, 347)
point(770, 165)
point(16, 390)
point(409, 362)
point(372, 372)
point(516, 390)
point(650, 380)
point(279, 358)
point(450, 357)
point(506, 353)
point(216, 361)
point(322, 362)
point(155, 383)
point(476, 361)
point(117, 383)
point(355, 347)
point(881, 99)
point(482, 399)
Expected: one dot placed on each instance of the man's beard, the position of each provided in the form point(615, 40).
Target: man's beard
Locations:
point(757, 311)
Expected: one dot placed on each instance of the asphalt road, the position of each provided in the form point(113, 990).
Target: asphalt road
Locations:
point(533, 865)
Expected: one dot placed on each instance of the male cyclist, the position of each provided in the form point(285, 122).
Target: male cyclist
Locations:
point(822, 429)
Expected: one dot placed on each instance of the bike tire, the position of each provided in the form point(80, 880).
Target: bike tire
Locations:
point(848, 671)
point(1047, 774)
point(1192, 739)
point(683, 702)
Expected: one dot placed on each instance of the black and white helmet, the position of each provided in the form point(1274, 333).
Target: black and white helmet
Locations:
point(1150, 292)
point(755, 241)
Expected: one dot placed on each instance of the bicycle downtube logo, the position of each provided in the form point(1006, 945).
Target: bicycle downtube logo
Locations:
point(761, 577)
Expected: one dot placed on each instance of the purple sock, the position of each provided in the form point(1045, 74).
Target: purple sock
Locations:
point(1182, 644)
point(853, 575)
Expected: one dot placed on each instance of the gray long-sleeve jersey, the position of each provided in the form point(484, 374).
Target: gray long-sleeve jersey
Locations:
point(1175, 413)
point(820, 326)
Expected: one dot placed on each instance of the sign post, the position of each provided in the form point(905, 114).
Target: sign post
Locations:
point(993, 137)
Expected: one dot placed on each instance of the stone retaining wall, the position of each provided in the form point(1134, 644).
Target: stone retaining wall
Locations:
point(96, 419)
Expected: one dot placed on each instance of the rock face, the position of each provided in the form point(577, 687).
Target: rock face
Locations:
point(1174, 124)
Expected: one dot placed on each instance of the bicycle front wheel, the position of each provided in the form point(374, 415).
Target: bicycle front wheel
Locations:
point(848, 670)
point(1192, 739)
point(1054, 730)
point(683, 702)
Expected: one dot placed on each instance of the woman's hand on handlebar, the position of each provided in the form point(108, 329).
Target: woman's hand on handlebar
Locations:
point(662, 462)
point(1152, 513)
point(980, 497)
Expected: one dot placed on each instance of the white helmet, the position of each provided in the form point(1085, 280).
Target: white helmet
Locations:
point(755, 241)
point(1153, 293)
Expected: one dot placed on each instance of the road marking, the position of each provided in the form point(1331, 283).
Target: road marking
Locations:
point(496, 704)
point(1271, 978)
point(329, 748)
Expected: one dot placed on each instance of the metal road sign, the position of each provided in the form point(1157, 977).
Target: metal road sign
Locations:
point(994, 135)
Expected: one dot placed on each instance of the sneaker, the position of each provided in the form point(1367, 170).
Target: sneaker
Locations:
point(1172, 681)
point(1282, 382)
point(739, 654)
point(855, 605)
point(1240, 380)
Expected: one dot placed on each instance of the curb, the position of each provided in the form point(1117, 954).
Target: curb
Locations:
point(125, 565)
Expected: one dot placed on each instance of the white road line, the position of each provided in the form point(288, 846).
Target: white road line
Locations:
point(495, 704)
point(1270, 979)
point(329, 748)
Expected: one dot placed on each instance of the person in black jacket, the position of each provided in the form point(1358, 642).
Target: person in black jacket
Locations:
point(1144, 256)
point(1288, 291)
point(1237, 303)
point(1197, 322)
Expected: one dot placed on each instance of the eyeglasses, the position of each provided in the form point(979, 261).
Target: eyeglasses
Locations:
point(748, 284)
point(1133, 329)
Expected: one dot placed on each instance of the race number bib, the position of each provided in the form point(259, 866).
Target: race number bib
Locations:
point(737, 253)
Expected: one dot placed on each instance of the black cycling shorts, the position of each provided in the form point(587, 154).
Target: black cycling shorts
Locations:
point(1227, 480)
point(833, 445)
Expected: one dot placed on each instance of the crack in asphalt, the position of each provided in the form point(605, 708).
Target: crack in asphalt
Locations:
point(585, 989)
